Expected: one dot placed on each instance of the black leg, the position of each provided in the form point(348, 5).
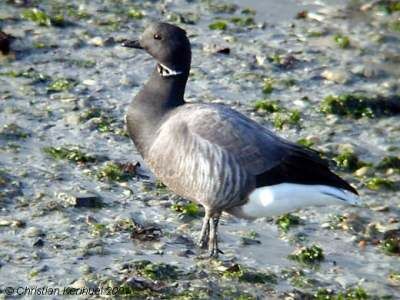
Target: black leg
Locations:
point(213, 243)
point(205, 232)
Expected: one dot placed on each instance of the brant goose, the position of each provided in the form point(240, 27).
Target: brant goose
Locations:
point(214, 155)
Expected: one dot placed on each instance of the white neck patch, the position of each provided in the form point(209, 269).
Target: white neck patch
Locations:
point(167, 72)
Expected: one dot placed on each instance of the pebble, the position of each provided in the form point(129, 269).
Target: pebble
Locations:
point(86, 269)
point(363, 171)
point(380, 208)
point(87, 200)
point(89, 82)
point(337, 76)
point(72, 119)
point(33, 232)
point(244, 241)
point(128, 81)
point(217, 48)
point(100, 42)
point(38, 243)
point(185, 253)
point(5, 223)
point(367, 71)
point(82, 283)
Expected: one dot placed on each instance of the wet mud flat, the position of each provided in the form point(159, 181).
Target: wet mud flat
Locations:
point(79, 208)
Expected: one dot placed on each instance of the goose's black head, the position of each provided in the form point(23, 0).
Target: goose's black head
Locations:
point(168, 44)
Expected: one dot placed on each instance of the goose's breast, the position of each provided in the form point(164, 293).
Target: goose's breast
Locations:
point(197, 169)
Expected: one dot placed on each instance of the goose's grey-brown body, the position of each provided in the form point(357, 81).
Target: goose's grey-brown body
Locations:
point(209, 153)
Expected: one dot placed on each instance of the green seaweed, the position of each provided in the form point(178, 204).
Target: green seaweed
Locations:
point(352, 105)
point(114, 171)
point(298, 278)
point(267, 105)
point(197, 293)
point(218, 8)
point(73, 154)
point(358, 105)
point(124, 225)
point(305, 142)
point(251, 234)
point(275, 59)
point(34, 274)
point(394, 276)
point(348, 160)
point(135, 13)
point(83, 63)
point(104, 124)
point(268, 87)
point(76, 12)
point(308, 255)
point(388, 7)
point(243, 22)
point(218, 25)
point(391, 245)
point(41, 18)
point(39, 45)
point(155, 271)
point(357, 293)
point(38, 16)
point(336, 221)
point(285, 222)
point(160, 185)
point(98, 229)
point(161, 271)
point(288, 82)
point(378, 183)
point(102, 121)
point(246, 275)
point(248, 11)
point(60, 85)
point(395, 26)
point(190, 209)
point(90, 114)
point(291, 117)
point(342, 41)
point(30, 73)
point(13, 131)
point(389, 162)
point(315, 34)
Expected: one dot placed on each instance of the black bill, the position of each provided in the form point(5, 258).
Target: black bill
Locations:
point(131, 44)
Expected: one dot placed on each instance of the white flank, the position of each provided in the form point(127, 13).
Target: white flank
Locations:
point(282, 198)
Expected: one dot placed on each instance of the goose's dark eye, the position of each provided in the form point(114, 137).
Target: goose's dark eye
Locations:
point(157, 37)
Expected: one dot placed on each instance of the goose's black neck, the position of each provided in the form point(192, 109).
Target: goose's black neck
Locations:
point(159, 95)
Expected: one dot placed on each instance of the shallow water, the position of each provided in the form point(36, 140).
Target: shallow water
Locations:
point(106, 78)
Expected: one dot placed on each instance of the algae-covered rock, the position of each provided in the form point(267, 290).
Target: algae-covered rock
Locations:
point(115, 171)
point(359, 105)
point(348, 160)
point(379, 183)
point(155, 271)
point(308, 255)
point(243, 274)
point(285, 222)
point(267, 105)
point(13, 131)
point(72, 153)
